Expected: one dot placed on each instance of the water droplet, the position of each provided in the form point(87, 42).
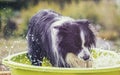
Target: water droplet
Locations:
point(37, 40)
point(32, 35)
point(6, 47)
point(12, 47)
point(32, 38)
point(33, 60)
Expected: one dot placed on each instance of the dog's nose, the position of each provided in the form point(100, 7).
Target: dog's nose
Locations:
point(86, 57)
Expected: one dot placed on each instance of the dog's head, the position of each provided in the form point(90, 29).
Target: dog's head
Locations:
point(76, 37)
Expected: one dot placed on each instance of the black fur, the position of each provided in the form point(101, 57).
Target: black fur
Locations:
point(40, 42)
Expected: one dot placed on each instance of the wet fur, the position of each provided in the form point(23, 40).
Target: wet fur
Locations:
point(76, 62)
point(52, 35)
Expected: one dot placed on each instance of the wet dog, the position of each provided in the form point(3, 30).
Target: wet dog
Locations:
point(53, 36)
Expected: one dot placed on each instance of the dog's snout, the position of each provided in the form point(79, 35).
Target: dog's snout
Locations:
point(86, 57)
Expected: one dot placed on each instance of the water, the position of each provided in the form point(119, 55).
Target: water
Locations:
point(12, 46)
point(104, 44)
point(109, 59)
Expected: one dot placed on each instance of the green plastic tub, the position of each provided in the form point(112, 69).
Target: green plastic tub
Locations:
point(20, 65)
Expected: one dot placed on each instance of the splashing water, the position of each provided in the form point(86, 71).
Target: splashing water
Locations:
point(104, 44)
point(8, 47)
point(108, 57)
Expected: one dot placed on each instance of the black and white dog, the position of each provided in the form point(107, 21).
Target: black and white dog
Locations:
point(52, 35)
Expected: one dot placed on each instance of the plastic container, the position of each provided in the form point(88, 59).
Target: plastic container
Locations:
point(20, 65)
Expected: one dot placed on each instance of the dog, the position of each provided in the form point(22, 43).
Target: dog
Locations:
point(53, 36)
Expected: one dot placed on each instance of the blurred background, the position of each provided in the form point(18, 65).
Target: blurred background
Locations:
point(15, 15)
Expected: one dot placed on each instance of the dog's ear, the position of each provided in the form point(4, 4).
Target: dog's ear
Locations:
point(83, 22)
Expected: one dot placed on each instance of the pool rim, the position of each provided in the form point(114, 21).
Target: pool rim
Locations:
point(7, 61)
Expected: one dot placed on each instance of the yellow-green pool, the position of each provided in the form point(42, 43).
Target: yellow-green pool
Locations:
point(20, 65)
